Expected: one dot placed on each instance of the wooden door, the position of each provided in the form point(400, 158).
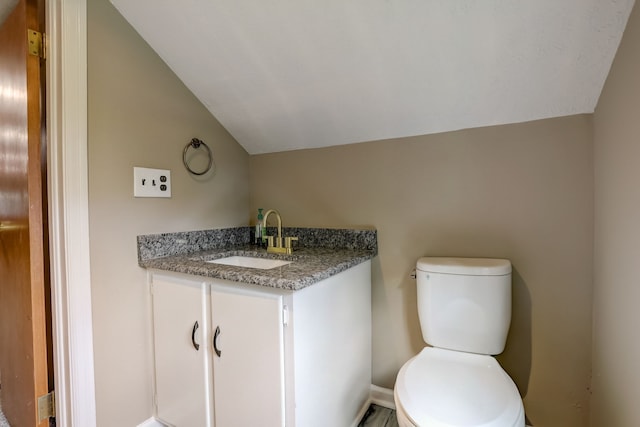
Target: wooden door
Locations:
point(25, 373)
point(248, 372)
point(182, 360)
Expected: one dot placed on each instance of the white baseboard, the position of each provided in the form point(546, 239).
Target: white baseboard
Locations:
point(378, 396)
point(152, 422)
point(382, 397)
point(361, 414)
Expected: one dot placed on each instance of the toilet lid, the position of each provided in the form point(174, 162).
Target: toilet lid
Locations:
point(444, 388)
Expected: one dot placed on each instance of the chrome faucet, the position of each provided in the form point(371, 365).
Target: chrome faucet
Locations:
point(277, 247)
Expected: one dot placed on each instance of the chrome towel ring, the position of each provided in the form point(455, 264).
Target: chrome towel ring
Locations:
point(196, 144)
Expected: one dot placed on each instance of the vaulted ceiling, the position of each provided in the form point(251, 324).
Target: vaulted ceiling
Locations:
point(291, 74)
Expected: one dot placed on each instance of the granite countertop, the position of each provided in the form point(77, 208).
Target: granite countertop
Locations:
point(333, 251)
point(310, 265)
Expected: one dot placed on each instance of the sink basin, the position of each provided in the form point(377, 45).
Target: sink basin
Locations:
point(250, 262)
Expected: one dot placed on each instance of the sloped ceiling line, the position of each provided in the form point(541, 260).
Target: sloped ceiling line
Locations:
point(289, 74)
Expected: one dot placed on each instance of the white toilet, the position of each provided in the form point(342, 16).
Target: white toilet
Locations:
point(464, 306)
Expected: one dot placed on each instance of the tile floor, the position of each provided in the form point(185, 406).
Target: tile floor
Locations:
point(377, 416)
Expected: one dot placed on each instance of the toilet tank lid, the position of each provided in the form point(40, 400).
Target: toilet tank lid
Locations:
point(465, 266)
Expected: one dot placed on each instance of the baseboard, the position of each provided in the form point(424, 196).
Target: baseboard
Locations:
point(152, 422)
point(377, 396)
point(382, 397)
point(361, 413)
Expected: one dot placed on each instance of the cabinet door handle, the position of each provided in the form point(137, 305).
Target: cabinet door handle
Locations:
point(215, 341)
point(193, 336)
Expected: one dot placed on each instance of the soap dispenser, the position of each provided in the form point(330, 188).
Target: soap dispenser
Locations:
point(259, 231)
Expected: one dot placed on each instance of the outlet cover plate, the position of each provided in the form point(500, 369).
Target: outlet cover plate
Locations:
point(151, 182)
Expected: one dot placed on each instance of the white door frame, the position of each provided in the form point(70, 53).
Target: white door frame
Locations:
point(66, 29)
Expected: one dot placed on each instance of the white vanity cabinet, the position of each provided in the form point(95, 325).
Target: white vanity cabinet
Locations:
point(219, 353)
point(181, 321)
point(279, 359)
point(248, 367)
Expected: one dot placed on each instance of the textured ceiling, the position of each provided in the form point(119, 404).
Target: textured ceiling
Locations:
point(291, 74)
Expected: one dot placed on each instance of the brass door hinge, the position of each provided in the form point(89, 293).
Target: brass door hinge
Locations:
point(47, 406)
point(35, 43)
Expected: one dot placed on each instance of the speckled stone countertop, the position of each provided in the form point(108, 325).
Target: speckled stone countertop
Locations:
point(321, 253)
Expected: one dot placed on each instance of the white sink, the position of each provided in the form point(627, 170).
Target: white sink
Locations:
point(250, 262)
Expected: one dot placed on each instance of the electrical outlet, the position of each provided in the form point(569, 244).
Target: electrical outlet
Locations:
point(151, 182)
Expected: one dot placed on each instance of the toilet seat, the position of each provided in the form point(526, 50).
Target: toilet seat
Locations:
point(446, 388)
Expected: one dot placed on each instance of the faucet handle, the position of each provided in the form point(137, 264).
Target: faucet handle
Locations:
point(288, 240)
point(274, 242)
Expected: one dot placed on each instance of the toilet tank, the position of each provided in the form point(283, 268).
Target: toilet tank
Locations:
point(464, 304)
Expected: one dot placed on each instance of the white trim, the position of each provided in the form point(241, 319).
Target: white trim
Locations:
point(382, 397)
point(152, 422)
point(361, 413)
point(377, 396)
point(69, 212)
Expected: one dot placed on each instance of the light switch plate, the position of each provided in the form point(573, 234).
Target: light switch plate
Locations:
point(151, 182)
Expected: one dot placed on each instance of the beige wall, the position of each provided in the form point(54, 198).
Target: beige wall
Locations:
point(616, 343)
point(140, 114)
point(522, 192)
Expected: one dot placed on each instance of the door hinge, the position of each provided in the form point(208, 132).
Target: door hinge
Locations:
point(47, 406)
point(36, 43)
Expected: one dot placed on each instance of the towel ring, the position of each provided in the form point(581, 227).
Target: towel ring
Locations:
point(195, 143)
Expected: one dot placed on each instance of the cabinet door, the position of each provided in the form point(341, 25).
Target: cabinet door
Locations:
point(182, 362)
point(248, 373)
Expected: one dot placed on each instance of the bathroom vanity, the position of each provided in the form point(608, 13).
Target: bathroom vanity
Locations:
point(283, 346)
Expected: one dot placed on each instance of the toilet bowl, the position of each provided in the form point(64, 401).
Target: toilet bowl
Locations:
point(464, 308)
point(446, 388)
